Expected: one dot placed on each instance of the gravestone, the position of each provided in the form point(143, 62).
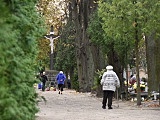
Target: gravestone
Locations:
point(51, 75)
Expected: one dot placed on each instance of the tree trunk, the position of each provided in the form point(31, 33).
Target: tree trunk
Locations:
point(157, 65)
point(137, 62)
point(78, 36)
point(99, 64)
point(150, 48)
point(137, 69)
point(113, 60)
point(97, 55)
point(71, 73)
point(84, 58)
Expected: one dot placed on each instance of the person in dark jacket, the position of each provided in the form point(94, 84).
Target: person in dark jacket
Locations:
point(43, 80)
point(60, 81)
point(69, 84)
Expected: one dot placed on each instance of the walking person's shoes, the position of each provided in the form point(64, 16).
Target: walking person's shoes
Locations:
point(110, 108)
point(103, 107)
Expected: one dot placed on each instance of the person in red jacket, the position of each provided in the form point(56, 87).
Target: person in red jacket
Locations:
point(60, 81)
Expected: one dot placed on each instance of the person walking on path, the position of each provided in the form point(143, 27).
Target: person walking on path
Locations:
point(60, 81)
point(69, 83)
point(109, 83)
point(43, 80)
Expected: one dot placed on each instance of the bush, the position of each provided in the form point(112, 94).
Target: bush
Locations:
point(20, 30)
point(97, 78)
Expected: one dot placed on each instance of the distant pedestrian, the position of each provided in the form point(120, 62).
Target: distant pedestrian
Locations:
point(43, 80)
point(132, 80)
point(109, 83)
point(69, 84)
point(60, 81)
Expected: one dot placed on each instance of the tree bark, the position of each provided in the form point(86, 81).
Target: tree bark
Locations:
point(113, 60)
point(99, 64)
point(137, 68)
point(150, 48)
point(85, 65)
point(157, 65)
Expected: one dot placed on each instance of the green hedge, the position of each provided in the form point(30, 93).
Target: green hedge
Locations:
point(21, 27)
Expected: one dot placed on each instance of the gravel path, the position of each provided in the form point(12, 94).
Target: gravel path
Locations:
point(84, 106)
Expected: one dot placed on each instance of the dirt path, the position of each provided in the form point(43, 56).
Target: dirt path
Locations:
point(83, 106)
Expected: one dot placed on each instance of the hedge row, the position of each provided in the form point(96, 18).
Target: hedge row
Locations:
point(20, 28)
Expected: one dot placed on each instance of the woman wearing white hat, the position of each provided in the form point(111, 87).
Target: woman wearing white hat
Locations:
point(109, 83)
point(60, 80)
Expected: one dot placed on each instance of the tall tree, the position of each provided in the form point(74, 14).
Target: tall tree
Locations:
point(152, 32)
point(117, 41)
point(99, 47)
point(119, 16)
point(81, 10)
point(125, 19)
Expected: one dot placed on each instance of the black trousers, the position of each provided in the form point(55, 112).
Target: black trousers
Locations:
point(60, 87)
point(43, 86)
point(107, 95)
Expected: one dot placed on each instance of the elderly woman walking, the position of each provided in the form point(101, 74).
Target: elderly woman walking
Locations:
point(60, 81)
point(109, 83)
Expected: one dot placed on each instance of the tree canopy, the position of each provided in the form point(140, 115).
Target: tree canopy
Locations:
point(128, 22)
